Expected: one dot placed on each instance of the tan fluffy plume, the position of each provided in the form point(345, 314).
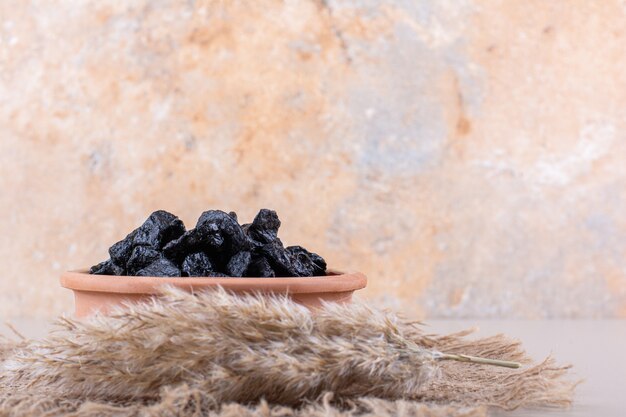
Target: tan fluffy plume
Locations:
point(209, 349)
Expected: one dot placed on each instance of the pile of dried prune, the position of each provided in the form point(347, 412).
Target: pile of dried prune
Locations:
point(217, 247)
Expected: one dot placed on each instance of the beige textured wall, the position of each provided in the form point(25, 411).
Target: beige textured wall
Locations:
point(470, 157)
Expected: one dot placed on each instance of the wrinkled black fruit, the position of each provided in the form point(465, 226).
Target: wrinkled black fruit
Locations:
point(162, 267)
point(260, 268)
point(316, 263)
point(120, 251)
point(218, 274)
point(160, 228)
point(264, 227)
point(189, 242)
point(238, 264)
point(106, 268)
point(280, 260)
point(220, 232)
point(301, 265)
point(217, 246)
point(252, 243)
point(197, 265)
point(141, 257)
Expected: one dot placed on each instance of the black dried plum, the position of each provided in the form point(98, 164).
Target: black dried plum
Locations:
point(197, 265)
point(107, 267)
point(238, 264)
point(158, 229)
point(120, 251)
point(302, 266)
point(280, 260)
point(252, 243)
point(218, 274)
point(220, 232)
point(217, 246)
point(318, 264)
point(260, 268)
point(264, 227)
point(141, 257)
point(162, 267)
point(189, 242)
point(255, 239)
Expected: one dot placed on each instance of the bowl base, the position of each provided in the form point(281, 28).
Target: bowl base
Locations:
point(88, 302)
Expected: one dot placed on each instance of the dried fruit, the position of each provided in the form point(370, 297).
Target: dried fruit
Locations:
point(280, 260)
point(162, 267)
point(197, 265)
point(260, 268)
point(120, 251)
point(220, 232)
point(107, 267)
point(218, 274)
point(141, 257)
point(217, 246)
point(238, 264)
point(264, 227)
point(312, 260)
point(189, 242)
point(160, 228)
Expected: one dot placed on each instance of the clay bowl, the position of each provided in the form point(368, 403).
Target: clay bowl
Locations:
point(101, 292)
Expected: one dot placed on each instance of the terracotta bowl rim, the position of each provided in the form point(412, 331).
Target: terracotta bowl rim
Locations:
point(336, 281)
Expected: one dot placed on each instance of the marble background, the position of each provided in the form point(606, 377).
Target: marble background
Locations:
point(469, 157)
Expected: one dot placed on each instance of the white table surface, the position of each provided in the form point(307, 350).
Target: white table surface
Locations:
point(596, 348)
